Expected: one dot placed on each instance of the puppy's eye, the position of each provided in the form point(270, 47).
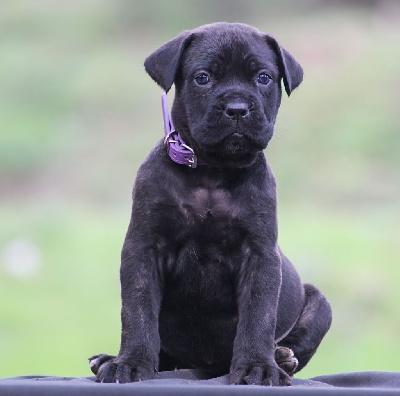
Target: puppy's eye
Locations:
point(263, 78)
point(202, 79)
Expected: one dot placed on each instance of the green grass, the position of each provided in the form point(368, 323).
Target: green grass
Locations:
point(69, 309)
point(353, 259)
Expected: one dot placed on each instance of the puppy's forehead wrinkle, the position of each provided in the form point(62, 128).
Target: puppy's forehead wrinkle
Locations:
point(237, 53)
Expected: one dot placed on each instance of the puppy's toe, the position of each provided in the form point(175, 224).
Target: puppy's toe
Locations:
point(96, 361)
point(286, 360)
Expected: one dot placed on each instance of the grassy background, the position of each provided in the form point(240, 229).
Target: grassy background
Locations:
point(78, 114)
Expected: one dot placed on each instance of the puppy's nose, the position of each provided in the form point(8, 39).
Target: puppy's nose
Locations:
point(236, 110)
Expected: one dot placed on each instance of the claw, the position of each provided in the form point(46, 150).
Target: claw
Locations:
point(93, 362)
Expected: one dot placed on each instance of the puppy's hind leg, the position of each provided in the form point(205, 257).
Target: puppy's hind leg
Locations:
point(310, 329)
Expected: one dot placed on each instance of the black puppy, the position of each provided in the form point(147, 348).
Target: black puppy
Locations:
point(204, 283)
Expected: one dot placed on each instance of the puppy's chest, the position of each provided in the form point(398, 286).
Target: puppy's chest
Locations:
point(210, 218)
point(209, 205)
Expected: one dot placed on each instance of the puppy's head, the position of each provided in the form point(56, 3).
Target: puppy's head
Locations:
point(227, 89)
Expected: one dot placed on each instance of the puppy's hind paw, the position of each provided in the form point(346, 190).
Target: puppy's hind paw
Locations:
point(286, 360)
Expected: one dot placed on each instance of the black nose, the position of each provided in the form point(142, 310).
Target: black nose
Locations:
point(236, 110)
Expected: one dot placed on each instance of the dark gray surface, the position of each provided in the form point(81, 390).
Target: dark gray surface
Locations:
point(194, 382)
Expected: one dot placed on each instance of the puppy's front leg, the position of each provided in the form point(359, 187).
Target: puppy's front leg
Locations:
point(141, 292)
point(258, 286)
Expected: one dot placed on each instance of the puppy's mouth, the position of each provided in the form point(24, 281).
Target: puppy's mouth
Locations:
point(234, 151)
point(235, 144)
point(236, 161)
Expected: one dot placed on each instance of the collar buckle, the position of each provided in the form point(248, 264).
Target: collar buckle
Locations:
point(177, 149)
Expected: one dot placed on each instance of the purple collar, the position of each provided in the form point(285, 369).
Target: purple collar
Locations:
point(177, 149)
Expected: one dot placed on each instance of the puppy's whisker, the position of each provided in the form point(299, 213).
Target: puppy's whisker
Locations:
point(278, 136)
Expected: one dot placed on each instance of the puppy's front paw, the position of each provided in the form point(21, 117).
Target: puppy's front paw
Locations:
point(259, 374)
point(107, 369)
point(96, 361)
point(286, 360)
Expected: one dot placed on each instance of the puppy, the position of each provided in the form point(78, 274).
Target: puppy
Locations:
point(204, 283)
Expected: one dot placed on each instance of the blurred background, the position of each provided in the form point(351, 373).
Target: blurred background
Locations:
point(78, 115)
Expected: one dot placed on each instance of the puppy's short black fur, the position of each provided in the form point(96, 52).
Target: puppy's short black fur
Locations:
point(204, 283)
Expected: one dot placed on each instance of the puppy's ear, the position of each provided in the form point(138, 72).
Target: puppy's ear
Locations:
point(163, 63)
point(289, 68)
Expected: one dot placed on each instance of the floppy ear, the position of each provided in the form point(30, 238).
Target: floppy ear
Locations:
point(290, 69)
point(163, 63)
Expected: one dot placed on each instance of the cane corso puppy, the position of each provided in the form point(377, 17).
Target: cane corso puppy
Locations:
point(204, 283)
